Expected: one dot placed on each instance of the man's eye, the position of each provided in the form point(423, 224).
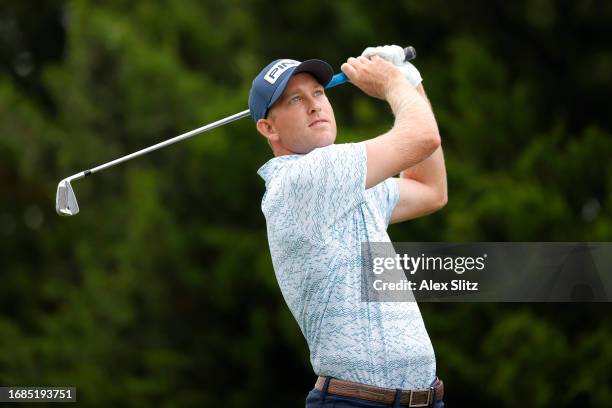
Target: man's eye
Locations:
point(295, 99)
point(318, 92)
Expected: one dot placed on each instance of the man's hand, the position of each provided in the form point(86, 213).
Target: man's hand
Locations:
point(396, 56)
point(392, 53)
point(375, 76)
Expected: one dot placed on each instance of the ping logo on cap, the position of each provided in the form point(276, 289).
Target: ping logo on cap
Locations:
point(277, 69)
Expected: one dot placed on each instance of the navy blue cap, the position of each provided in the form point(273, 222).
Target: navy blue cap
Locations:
point(271, 82)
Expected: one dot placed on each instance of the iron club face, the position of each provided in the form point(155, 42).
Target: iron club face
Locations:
point(65, 200)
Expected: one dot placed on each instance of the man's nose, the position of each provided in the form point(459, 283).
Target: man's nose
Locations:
point(315, 106)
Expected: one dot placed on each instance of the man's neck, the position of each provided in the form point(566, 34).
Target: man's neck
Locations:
point(281, 151)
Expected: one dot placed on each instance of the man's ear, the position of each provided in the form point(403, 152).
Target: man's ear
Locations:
point(267, 129)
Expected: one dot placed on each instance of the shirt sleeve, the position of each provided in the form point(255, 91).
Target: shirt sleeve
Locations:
point(324, 185)
point(389, 197)
point(383, 198)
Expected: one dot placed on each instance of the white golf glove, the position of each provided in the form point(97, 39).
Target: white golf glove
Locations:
point(395, 55)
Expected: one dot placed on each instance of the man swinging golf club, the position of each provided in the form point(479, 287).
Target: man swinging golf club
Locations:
point(323, 200)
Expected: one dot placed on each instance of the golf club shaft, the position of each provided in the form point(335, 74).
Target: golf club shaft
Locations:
point(168, 142)
point(337, 80)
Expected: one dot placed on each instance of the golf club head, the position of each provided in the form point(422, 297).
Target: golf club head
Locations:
point(65, 201)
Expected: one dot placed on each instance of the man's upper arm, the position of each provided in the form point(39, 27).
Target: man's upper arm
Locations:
point(415, 200)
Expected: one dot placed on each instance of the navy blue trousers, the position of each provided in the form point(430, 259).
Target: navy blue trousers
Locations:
point(322, 399)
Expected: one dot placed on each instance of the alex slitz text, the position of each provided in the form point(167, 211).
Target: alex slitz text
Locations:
point(426, 285)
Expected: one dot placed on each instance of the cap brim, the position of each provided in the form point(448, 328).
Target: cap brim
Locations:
point(320, 69)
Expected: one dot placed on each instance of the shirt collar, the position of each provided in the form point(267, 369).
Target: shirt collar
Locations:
point(272, 166)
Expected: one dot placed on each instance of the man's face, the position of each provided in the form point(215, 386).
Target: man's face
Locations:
point(302, 119)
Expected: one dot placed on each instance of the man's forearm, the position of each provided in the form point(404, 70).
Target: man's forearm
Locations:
point(413, 114)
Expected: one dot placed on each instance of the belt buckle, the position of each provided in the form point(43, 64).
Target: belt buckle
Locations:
point(426, 404)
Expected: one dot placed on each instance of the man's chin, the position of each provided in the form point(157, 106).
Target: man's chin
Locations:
point(324, 141)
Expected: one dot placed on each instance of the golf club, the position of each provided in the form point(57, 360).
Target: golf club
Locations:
point(65, 200)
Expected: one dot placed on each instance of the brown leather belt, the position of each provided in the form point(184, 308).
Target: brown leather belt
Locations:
point(410, 398)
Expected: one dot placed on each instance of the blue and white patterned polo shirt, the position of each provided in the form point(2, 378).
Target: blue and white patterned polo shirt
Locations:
point(318, 213)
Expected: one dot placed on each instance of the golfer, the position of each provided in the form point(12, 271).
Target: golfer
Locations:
point(323, 200)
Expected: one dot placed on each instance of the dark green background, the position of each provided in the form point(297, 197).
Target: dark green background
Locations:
point(161, 291)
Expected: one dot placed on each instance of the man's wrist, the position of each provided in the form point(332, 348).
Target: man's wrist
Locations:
point(398, 94)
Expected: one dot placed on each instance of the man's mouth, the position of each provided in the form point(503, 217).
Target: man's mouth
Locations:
point(318, 122)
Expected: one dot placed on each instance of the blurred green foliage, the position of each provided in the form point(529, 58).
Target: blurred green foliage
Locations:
point(161, 291)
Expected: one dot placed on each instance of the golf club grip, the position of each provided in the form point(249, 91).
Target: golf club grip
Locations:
point(341, 78)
